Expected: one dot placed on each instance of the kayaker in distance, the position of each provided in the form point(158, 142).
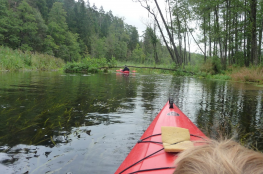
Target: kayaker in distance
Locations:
point(219, 157)
point(126, 68)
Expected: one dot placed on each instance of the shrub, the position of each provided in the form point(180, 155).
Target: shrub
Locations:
point(112, 62)
point(88, 64)
point(212, 66)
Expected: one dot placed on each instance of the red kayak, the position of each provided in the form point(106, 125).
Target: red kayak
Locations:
point(148, 156)
point(123, 71)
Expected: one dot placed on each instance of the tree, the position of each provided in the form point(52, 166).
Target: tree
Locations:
point(42, 7)
point(64, 40)
point(41, 32)
point(98, 47)
point(8, 26)
point(27, 26)
point(154, 41)
point(134, 37)
point(138, 54)
point(172, 49)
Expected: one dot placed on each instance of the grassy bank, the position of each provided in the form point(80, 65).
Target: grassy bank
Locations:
point(251, 74)
point(17, 60)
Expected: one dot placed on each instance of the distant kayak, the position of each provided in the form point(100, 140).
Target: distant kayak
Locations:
point(120, 70)
point(123, 71)
point(148, 155)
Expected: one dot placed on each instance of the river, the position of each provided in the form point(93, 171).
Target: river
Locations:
point(53, 122)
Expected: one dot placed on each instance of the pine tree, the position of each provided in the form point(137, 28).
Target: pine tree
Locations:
point(64, 40)
point(27, 26)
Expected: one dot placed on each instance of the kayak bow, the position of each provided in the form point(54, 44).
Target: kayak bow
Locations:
point(148, 156)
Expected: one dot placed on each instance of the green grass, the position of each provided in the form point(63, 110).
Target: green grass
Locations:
point(17, 60)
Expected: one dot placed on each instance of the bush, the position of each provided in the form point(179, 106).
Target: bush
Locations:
point(88, 64)
point(76, 67)
point(212, 66)
point(112, 62)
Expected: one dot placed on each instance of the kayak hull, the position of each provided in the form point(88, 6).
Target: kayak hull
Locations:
point(167, 117)
point(123, 71)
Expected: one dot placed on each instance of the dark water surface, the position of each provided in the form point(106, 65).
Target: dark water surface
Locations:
point(58, 123)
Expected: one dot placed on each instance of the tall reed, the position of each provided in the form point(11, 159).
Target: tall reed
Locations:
point(18, 60)
point(251, 74)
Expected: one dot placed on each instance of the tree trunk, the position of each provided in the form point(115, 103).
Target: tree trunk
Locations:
point(185, 56)
point(244, 42)
point(215, 31)
point(210, 44)
point(253, 20)
point(169, 34)
point(236, 39)
point(179, 35)
point(155, 46)
point(260, 42)
point(189, 47)
point(204, 36)
point(166, 44)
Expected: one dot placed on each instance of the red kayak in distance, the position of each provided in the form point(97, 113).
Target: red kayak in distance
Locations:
point(148, 157)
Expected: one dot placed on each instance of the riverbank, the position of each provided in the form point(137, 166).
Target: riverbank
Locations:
point(252, 74)
point(13, 60)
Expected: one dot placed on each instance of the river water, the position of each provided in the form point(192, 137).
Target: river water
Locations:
point(53, 122)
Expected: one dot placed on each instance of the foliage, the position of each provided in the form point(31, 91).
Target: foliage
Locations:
point(71, 30)
point(212, 66)
point(67, 29)
point(112, 62)
point(18, 60)
point(138, 55)
point(75, 67)
point(89, 65)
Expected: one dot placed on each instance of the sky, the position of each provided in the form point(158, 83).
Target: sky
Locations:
point(132, 12)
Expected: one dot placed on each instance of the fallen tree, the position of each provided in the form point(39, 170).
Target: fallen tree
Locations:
point(152, 68)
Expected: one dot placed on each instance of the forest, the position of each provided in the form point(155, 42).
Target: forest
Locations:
point(228, 33)
point(228, 30)
point(72, 30)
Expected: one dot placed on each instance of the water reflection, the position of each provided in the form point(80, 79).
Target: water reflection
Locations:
point(85, 123)
point(223, 108)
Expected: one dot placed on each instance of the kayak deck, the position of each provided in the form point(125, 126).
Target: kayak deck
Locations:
point(164, 160)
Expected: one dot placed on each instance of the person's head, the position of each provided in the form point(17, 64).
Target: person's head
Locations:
point(224, 157)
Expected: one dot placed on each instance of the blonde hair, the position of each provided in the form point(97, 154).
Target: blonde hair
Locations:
point(224, 157)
